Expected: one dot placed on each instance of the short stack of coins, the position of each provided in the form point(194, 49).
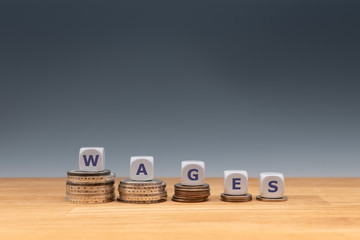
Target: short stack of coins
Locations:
point(192, 187)
point(188, 193)
point(142, 187)
point(90, 187)
point(132, 191)
point(236, 186)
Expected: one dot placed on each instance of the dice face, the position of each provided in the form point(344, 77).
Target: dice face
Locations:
point(142, 168)
point(235, 182)
point(192, 172)
point(92, 159)
point(272, 185)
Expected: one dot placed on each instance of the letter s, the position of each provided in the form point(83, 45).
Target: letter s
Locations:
point(272, 185)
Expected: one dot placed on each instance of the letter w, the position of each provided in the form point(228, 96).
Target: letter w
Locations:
point(87, 161)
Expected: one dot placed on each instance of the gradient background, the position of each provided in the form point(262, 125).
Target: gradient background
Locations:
point(258, 85)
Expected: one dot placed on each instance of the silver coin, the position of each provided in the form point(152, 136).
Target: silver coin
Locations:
point(145, 188)
point(98, 199)
point(89, 189)
point(90, 184)
point(81, 173)
point(142, 198)
point(88, 195)
point(86, 191)
point(91, 179)
point(281, 199)
point(236, 198)
point(142, 202)
point(142, 186)
point(176, 199)
point(135, 191)
point(130, 182)
point(164, 193)
point(86, 201)
point(181, 186)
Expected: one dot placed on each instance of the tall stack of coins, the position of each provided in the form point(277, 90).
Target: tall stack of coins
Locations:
point(150, 191)
point(90, 187)
point(191, 193)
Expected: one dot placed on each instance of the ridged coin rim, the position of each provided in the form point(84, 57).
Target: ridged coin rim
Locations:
point(89, 201)
point(142, 202)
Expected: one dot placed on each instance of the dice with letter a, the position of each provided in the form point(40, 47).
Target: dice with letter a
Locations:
point(142, 168)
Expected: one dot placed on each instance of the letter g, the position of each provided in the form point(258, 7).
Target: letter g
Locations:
point(193, 177)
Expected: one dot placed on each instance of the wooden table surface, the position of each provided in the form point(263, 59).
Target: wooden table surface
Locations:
point(318, 208)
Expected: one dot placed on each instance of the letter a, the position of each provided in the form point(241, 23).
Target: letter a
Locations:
point(141, 169)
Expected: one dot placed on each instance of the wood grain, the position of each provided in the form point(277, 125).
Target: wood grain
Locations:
point(318, 208)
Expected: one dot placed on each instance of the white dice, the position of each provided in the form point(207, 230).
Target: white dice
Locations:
point(142, 168)
point(272, 185)
point(192, 172)
point(91, 159)
point(235, 182)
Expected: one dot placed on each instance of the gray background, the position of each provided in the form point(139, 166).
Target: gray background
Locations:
point(257, 85)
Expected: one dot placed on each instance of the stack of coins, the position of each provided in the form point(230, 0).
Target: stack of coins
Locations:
point(151, 191)
point(90, 187)
point(191, 193)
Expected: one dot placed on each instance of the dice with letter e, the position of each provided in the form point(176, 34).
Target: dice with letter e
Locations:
point(235, 182)
point(272, 185)
point(91, 159)
point(192, 172)
point(142, 168)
